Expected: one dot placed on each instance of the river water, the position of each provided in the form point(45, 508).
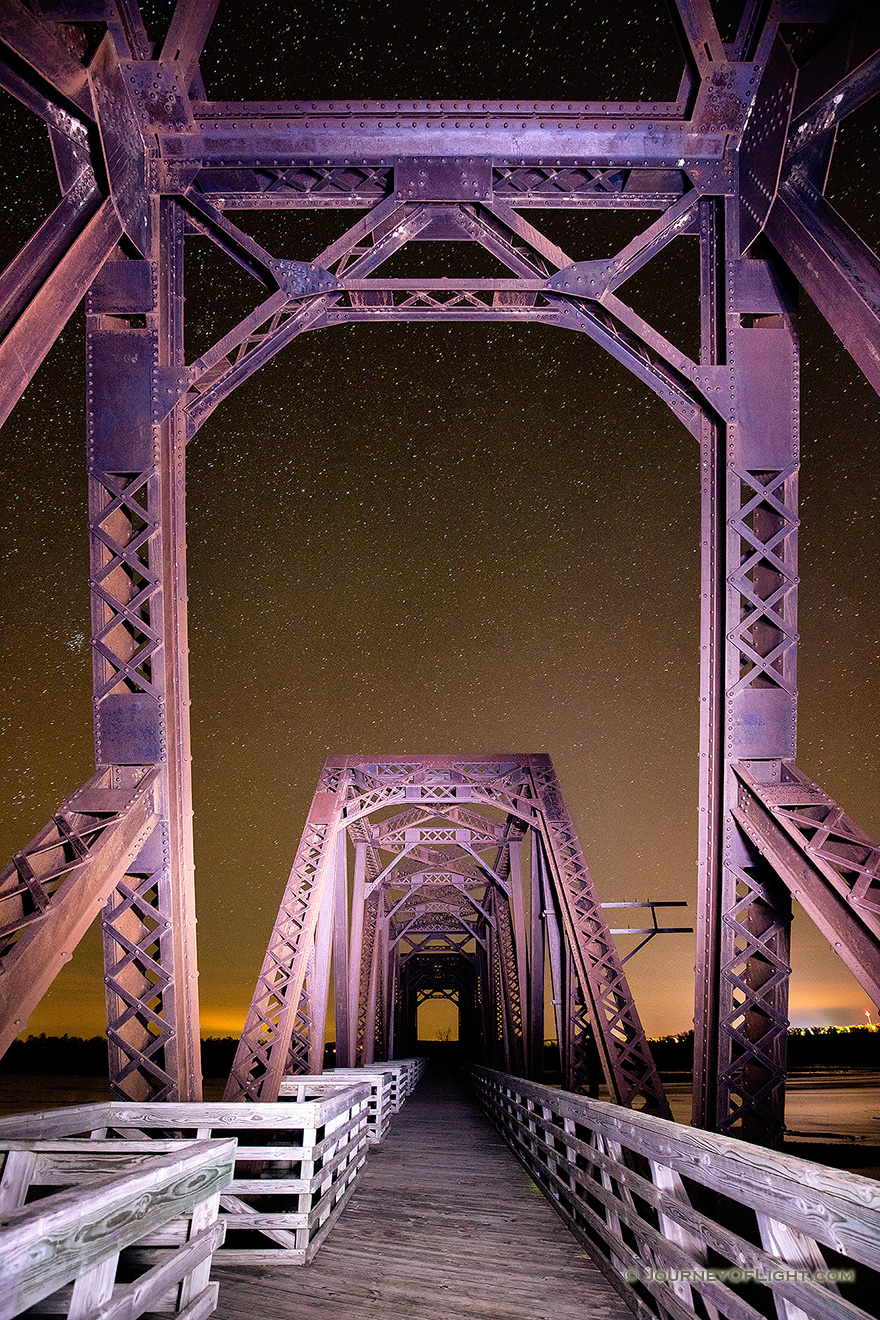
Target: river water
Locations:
point(822, 1108)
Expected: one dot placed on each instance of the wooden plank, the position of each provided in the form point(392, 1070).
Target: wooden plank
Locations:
point(45, 1124)
point(443, 1222)
point(146, 1293)
point(18, 1175)
point(74, 1161)
point(232, 1114)
point(296, 1086)
point(324, 1168)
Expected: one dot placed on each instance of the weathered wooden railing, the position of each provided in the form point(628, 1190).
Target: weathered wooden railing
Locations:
point(687, 1223)
point(296, 1086)
point(404, 1074)
point(390, 1085)
point(85, 1250)
point(295, 1164)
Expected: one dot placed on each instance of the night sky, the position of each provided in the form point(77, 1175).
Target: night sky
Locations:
point(434, 538)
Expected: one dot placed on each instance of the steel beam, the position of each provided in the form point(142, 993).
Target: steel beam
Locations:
point(840, 76)
point(34, 43)
point(186, 36)
point(293, 134)
point(34, 331)
point(56, 886)
point(749, 471)
point(830, 866)
point(839, 272)
point(141, 698)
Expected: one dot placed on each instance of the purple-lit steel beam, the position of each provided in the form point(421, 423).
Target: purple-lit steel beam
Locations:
point(47, 284)
point(839, 272)
point(830, 865)
point(186, 36)
point(141, 696)
point(55, 887)
point(839, 77)
point(749, 472)
point(285, 135)
point(32, 42)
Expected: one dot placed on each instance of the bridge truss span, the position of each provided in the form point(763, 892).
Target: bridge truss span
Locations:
point(444, 877)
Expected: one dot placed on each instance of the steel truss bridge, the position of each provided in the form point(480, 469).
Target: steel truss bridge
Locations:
point(458, 873)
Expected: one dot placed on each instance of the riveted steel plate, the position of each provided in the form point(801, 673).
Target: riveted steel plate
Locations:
point(763, 142)
point(443, 179)
point(158, 96)
point(122, 144)
point(761, 722)
point(120, 403)
point(128, 729)
point(123, 288)
point(724, 97)
point(756, 288)
point(765, 436)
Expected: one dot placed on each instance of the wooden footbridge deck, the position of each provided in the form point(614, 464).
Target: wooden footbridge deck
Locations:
point(444, 1225)
point(319, 1206)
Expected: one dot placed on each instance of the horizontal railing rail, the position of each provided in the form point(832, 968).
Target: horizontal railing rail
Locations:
point(689, 1223)
point(61, 1254)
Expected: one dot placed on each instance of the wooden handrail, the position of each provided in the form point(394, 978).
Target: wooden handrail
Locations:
point(294, 1172)
point(629, 1186)
point(76, 1235)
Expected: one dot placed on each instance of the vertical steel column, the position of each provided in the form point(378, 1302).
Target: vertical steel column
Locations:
point(512, 998)
point(393, 991)
point(366, 997)
point(141, 685)
point(373, 969)
point(484, 987)
point(555, 947)
point(380, 1015)
point(536, 962)
point(517, 911)
point(355, 954)
point(319, 982)
point(749, 691)
point(712, 618)
point(498, 979)
point(340, 955)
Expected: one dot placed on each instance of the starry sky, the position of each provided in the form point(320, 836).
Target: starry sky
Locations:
point(439, 538)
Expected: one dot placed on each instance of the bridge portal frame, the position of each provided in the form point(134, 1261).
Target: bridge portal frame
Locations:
point(739, 161)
